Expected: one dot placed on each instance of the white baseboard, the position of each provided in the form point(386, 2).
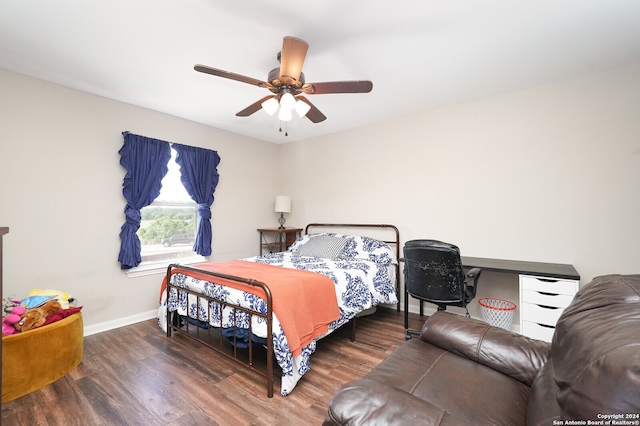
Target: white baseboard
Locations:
point(120, 322)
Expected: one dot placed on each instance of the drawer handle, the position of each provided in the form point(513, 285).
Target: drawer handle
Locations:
point(549, 307)
point(544, 293)
point(546, 326)
point(547, 280)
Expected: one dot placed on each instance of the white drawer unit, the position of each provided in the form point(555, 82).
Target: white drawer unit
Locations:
point(542, 301)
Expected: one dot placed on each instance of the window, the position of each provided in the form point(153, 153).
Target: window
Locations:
point(169, 225)
point(146, 161)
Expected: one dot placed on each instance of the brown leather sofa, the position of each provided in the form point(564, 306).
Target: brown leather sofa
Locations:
point(461, 371)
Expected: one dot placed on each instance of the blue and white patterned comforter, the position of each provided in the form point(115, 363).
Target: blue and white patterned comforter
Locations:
point(360, 285)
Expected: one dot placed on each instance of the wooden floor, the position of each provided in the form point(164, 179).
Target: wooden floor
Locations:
point(135, 375)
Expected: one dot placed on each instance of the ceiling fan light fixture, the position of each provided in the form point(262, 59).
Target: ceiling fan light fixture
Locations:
point(270, 106)
point(302, 108)
point(285, 114)
point(287, 101)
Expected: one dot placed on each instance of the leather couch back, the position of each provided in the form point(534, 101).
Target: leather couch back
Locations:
point(594, 365)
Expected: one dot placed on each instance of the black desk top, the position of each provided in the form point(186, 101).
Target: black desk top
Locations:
point(553, 270)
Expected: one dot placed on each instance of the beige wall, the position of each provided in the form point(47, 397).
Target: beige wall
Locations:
point(548, 174)
point(62, 197)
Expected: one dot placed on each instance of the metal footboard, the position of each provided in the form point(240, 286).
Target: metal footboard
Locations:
point(202, 332)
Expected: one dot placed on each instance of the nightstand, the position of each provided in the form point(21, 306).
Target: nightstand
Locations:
point(274, 240)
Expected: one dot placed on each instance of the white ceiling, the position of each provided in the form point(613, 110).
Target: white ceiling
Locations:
point(419, 54)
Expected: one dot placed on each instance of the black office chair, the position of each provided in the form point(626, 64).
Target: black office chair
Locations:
point(433, 273)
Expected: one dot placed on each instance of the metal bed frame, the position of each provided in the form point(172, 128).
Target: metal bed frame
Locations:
point(214, 339)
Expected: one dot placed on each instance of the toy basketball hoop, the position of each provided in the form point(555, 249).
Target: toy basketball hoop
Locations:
point(497, 312)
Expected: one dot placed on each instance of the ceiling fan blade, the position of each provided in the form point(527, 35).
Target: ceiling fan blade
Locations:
point(294, 50)
point(253, 107)
point(360, 86)
point(226, 74)
point(314, 113)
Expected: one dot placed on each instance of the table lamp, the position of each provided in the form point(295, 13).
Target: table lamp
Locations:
point(283, 205)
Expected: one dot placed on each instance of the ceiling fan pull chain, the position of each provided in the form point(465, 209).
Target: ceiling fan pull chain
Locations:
point(286, 128)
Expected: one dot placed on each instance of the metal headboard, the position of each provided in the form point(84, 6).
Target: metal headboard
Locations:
point(393, 242)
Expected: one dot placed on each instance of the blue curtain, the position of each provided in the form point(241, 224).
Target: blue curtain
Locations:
point(199, 175)
point(145, 161)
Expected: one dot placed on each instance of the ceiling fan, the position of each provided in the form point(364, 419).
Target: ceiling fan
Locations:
point(287, 85)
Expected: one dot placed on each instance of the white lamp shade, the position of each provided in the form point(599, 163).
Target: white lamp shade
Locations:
point(270, 106)
point(283, 204)
point(287, 101)
point(302, 108)
point(285, 114)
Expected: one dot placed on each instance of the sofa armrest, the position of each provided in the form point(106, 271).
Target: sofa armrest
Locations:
point(369, 402)
point(507, 352)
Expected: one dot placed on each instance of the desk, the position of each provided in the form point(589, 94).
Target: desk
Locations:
point(545, 290)
point(549, 270)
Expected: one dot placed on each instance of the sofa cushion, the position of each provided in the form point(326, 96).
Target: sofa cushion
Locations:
point(369, 402)
point(470, 391)
point(512, 354)
point(595, 356)
point(543, 406)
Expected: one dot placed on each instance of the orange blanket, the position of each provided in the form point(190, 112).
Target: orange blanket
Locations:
point(305, 302)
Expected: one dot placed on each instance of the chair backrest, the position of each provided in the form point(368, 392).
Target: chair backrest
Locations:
point(433, 272)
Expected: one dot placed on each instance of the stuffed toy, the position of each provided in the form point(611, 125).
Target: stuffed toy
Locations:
point(61, 297)
point(9, 321)
point(11, 312)
point(35, 317)
point(8, 305)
